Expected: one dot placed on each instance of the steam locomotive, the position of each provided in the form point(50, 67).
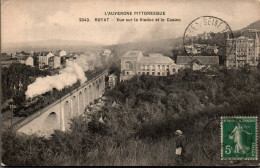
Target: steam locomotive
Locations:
point(29, 106)
point(32, 105)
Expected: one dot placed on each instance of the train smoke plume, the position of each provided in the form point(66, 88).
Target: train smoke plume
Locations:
point(66, 77)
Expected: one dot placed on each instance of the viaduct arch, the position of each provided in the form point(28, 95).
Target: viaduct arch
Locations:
point(57, 115)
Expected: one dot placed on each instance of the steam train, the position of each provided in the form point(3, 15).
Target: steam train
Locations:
point(29, 106)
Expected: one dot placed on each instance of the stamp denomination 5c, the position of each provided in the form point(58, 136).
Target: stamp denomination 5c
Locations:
point(239, 138)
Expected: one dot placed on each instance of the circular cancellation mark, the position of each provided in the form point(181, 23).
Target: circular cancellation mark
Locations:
point(208, 33)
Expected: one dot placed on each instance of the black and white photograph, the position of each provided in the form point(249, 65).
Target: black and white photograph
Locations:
point(130, 83)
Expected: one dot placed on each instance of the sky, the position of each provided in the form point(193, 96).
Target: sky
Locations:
point(36, 20)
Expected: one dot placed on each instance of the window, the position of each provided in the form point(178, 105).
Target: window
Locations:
point(159, 66)
point(127, 73)
point(147, 73)
point(153, 73)
point(143, 67)
point(167, 66)
point(158, 73)
point(144, 73)
point(153, 67)
point(139, 73)
point(163, 67)
point(128, 66)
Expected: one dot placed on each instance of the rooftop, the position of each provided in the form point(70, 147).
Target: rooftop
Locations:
point(242, 38)
point(156, 58)
point(132, 54)
point(205, 60)
point(112, 75)
point(155, 55)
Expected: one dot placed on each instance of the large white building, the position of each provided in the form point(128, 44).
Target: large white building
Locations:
point(54, 62)
point(62, 53)
point(135, 63)
point(26, 60)
point(44, 58)
point(29, 61)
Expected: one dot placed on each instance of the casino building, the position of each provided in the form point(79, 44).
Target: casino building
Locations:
point(135, 63)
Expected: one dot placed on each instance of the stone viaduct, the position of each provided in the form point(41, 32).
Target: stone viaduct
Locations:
point(57, 115)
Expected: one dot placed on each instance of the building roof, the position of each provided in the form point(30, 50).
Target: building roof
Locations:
point(22, 57)
point(29, 58)
point(112, 75)
point(44, 53)
point(205, 60)
point(132, 54)
point(152, 58)
point(155, 55)
point(243, 38)
point(51, 58)
point(212, 47)
point(163, 59)
point(156, 58)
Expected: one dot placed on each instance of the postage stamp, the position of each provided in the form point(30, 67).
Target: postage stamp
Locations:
point(239, 138)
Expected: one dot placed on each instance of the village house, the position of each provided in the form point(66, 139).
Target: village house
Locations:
point(43, 58)
point(62, 53)
point(197, 62)
point(54, 62)
point(112, 80)
point(29, 61)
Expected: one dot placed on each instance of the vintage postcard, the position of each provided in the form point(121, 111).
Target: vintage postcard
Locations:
point(130, 82)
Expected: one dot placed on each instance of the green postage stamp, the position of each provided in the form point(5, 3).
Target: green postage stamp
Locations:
point(239, 138)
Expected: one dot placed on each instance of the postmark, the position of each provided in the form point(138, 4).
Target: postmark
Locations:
point(239, 138)
point(208, 35)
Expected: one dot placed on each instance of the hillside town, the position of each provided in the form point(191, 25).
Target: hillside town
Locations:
point(238, 52)
point(49, 59)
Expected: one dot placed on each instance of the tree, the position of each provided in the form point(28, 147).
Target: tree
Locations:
point(258, 66)
point(200, 40)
